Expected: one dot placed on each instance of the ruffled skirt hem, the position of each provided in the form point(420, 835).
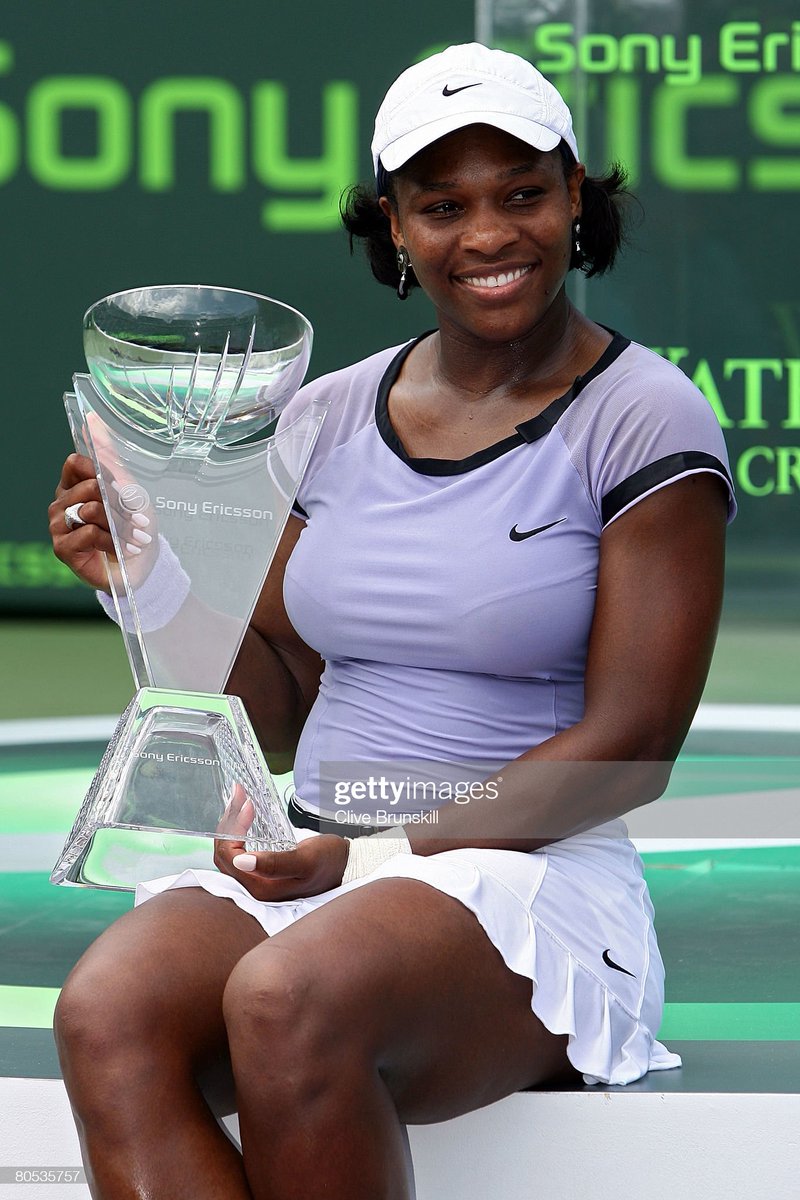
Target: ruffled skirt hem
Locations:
point(609, 1042)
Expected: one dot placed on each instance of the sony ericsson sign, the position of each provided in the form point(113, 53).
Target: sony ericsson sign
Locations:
point(741, 70)
point(137, 137)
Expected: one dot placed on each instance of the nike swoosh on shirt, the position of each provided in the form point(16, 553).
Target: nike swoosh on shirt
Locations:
point(615, 966)
point(518, 535)
point(448, 91)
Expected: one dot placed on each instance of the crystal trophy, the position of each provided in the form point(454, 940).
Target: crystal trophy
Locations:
point(179, 413)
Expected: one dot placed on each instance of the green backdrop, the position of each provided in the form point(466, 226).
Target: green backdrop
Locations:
point(207, 143)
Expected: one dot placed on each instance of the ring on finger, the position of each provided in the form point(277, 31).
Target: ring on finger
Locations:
point(72, 516)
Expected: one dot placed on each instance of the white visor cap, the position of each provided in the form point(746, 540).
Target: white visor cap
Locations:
point(468, 85)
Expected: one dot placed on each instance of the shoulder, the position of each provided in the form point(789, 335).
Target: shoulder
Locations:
point(351, 381)
point(640, 390)
point(640, 424)
point(641, 379)
point(347, 400)
point(348, 394)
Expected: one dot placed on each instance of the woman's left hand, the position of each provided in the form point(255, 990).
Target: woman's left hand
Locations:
point(316, 865)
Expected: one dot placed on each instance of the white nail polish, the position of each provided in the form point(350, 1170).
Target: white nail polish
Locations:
point(245, 862)
point(140, 519)
point(133, 549)
point(139, 535)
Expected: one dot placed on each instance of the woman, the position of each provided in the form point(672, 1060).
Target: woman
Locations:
point(509, 552)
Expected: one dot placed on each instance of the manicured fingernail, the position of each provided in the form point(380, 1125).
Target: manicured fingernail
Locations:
point(139, 535)
point(140, 519)
point(245, 862)
point(133, 549)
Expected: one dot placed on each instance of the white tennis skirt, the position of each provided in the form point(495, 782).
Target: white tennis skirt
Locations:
point(575, 918)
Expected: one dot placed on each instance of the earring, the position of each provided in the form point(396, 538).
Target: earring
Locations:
point(577, 253)
point(403, 265)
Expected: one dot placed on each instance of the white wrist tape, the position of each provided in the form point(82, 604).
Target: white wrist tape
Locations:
point(158, 599)
point(367, 853)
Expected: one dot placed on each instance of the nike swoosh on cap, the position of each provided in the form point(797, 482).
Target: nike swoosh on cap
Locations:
point(448, 91)
point(518, 535)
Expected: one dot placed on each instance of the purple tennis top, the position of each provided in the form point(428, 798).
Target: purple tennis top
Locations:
point(452, 600)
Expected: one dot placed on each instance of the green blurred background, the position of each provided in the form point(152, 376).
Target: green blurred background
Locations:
point(185, 142)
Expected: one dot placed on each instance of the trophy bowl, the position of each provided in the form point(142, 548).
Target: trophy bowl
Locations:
point(191, 360)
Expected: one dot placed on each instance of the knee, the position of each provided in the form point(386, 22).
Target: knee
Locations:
point(99, 1018)
point(80, 1020)
point(268, 994)
point(280, 1005)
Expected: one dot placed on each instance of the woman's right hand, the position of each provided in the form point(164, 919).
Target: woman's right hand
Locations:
point(82, 549)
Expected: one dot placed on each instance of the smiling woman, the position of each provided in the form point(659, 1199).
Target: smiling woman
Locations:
point(488, 228)
point(486, 629)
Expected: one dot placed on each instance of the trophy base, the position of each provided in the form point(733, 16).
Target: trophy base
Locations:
point(163, 789)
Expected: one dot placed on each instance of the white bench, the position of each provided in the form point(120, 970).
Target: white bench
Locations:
point(726, 1126)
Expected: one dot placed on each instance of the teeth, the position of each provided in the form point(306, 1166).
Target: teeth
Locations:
point(493, 281)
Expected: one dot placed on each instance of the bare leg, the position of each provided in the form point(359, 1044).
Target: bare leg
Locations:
point(388, 1004)
point(138, 1019)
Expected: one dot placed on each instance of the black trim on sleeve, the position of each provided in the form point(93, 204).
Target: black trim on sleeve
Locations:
point(299, 511)
point(655, 473)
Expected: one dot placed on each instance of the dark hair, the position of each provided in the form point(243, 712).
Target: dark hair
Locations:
point(604, 203)
point(603, 219)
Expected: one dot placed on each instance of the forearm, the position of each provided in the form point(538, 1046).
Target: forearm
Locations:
point(574, 781)
point(277, 698)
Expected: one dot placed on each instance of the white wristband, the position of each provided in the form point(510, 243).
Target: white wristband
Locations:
point(160, 597)
point(366, 853)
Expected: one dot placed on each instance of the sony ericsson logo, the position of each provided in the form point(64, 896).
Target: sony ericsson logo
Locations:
point(233, 512)
point(132, 497)
point(135, 499)
point(519, 535)
point(191, 760)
